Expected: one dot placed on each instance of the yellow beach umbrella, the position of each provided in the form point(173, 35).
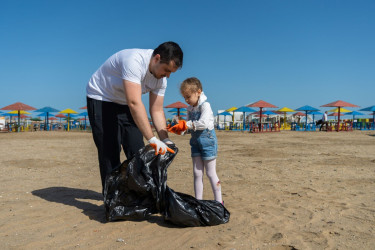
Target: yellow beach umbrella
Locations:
point(342, 110)
point(232, 109)
point(21, 112)
point(68, 112)
point(284, 110)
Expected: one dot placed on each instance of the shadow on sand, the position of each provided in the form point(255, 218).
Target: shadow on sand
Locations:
point(74, 196)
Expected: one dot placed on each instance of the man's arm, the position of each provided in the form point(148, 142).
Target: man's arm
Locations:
point(133, 93)
point(157, 115)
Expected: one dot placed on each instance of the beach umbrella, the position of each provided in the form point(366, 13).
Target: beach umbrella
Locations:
point(313, 113)
point(261, 104)
point(47, 110)
point(269, 112)
point(178, 106)
point(232, 109)
point(18, 106)
point(225, 113)
point(335, 114)
point(339, 104)
point(354, 113)
point(285, 110)
point(181, 114)
point(244, 109)
point(68, 112)
point(336, 110)
point(307, 109)
point(84, 114)
point(370, 109)
point(21, 112)
point(60, 116)
point(299, 113)
point(36, 119)
point(182, 110)
point(85, 107)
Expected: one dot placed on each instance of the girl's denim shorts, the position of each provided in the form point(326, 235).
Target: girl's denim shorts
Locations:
point(204, 144)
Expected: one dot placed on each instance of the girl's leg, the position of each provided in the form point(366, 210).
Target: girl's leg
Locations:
point(210, 166)
point(198, 177)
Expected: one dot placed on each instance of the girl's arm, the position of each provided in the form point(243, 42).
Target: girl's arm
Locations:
point(206, 119)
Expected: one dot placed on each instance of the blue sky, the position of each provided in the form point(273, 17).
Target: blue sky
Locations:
point(288, 53)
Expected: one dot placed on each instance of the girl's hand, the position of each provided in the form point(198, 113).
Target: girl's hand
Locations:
point(179, 128)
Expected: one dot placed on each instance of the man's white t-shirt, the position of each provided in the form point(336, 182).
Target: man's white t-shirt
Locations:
point(129, 64)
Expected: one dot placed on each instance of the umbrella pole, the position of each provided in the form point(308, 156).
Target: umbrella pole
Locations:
point(19, 117)
point(338, 121)
point(68, 121)
point(47, 122)
point(243, 125)
point(306, 121)
point(284, 120)
point(260, 119)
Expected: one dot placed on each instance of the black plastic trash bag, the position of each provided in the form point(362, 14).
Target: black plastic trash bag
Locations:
point(138, 188)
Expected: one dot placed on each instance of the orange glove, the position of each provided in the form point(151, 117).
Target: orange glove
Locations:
point(179, 127)
point(159, 146)
point(160, 150)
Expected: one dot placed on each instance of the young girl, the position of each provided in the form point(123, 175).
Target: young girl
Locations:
point(200, 121)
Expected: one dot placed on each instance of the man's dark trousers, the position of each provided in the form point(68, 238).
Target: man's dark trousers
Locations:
point(112, 127)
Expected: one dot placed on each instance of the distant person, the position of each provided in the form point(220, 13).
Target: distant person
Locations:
point(200, 122)
point(324, 121)
point(116, 112)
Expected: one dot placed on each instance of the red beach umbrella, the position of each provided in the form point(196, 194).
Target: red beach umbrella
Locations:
point(18, 106)
point(261, 104)
point(339, 104)
point(60, 116)
point(85, 107)
point(178, 106)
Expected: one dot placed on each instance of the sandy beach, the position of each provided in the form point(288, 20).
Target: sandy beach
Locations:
point(286, 190)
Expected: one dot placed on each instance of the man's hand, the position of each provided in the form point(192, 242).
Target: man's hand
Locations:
point(159, 146)
point(179, 128)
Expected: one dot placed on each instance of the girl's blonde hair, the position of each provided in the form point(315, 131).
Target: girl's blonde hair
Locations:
point(191, 85)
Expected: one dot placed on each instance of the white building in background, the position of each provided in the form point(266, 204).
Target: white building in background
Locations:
point(2, 122)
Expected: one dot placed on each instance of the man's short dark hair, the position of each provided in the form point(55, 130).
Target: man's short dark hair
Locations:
point(169, 51)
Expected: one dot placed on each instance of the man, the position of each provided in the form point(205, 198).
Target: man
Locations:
point(324, 121)
point(116, 112)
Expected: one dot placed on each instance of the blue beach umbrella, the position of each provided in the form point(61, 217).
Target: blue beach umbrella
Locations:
point(47, 110)
point(46, 117)
point(313, 113)
point(244, 109)
point(176, 110)
point(269, 112)
point(370, 109)
point(225, 113)
point(354, 113)
point(85, 114)
point(307, 109)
